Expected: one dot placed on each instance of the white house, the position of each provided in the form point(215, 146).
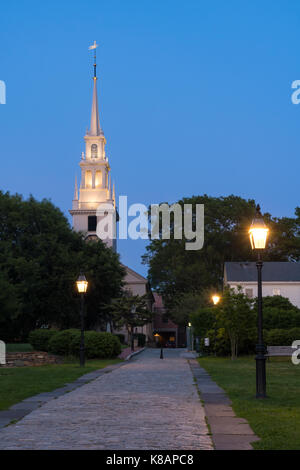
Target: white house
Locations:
point(278, 278)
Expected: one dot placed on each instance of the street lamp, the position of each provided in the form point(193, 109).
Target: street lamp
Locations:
point(258, 233)
point(133, 310)
point(216, 299)
point(82, 285)
point(161, 348)
point(190, 337)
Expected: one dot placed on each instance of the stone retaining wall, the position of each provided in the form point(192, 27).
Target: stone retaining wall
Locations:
point(34, 358)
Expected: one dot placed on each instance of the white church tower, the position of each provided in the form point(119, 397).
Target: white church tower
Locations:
point(95, 186)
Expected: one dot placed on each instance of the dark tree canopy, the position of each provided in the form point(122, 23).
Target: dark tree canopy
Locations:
point(40, 259)
point(173, 270)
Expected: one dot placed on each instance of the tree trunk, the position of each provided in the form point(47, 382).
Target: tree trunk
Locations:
point(233, 344)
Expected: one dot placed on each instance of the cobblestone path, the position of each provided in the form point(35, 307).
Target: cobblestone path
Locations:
point(148, 403)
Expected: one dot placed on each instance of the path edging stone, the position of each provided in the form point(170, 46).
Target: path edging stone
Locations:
point(228, 431)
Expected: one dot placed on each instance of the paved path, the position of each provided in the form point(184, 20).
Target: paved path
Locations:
point(148, 403)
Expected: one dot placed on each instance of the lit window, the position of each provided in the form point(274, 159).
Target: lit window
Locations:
point(88, 179)
point(98, 179)
point(276, 291)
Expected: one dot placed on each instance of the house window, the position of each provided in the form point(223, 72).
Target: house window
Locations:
point(276, 291)
point(249, 293)
point(92, 223)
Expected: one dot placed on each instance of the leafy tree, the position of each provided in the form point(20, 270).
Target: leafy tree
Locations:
point(130, 311)
point(203, 320)
point(40, 259)
point(174, 271)
point(279, 312)
point(183, 306)
point(279, 302)
point(236, 315)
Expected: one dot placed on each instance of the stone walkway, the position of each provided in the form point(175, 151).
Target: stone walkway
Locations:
point(148, 403)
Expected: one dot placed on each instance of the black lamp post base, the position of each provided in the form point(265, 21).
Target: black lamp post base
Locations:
point(260, 372)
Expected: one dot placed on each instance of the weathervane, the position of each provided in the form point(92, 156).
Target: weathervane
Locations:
point(94, 46)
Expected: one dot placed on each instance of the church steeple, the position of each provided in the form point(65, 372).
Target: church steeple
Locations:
point(95, 185)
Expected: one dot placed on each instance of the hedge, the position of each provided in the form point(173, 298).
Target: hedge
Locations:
point(60, 343)
point(121, 337)
point(39, 339)
point(97, 345)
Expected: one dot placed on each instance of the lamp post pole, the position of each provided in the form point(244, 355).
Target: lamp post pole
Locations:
point(161, 350)
point(258, 237)
point(132, 340)
point(260, 348)
point(82, 286)
point(81, 351)
point(216, 299)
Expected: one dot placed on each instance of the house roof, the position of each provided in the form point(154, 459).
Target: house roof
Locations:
point(136, 275)
point(273, 271)
point(158, 300)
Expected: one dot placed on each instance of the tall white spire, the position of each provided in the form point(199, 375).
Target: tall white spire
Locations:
point(95, 128)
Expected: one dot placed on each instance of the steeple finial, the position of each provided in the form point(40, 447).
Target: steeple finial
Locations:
point(95, 122)
point(94, 47)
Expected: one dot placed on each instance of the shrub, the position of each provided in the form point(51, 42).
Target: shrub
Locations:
point(121, 337)
point(39, 339)
point(97, 345)
point(276, 318)
point(281, 337)
point(60, 343)
point(141, 339)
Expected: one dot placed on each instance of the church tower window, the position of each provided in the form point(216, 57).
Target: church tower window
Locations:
point(98, 179)
point(88, 179)
point(92, 223)
point(94, 151)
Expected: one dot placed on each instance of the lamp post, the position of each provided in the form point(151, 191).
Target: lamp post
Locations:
point(133, 311)
point(190, 337)
point(82, 286)
point(216, 299)
point(258, 233)
point(161, 348)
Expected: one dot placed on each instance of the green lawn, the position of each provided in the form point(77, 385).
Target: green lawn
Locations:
point(276, 419)
point(18, 347)
point(19, 383)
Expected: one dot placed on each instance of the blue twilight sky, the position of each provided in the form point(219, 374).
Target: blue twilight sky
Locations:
point(195, 97)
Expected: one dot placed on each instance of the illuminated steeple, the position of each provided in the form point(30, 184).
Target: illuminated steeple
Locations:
point(95, 187)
